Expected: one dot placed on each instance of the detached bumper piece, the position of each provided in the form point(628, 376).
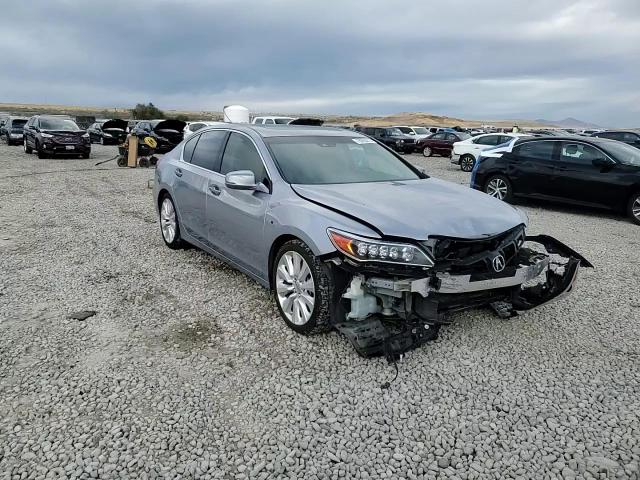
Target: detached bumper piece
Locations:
point(391, 316)
point(373, 337)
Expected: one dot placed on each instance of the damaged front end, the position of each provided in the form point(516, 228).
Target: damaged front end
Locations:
point(390, 309)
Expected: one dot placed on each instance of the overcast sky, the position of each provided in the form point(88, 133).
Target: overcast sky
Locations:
point(482, 60)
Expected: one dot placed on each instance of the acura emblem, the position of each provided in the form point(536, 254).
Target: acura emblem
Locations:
point(498, 263)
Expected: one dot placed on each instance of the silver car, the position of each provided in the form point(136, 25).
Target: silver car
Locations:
point(349, 235)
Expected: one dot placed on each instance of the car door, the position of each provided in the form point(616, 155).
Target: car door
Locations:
point(236, 217)
point(200, 161)
point(437, 142)
point(531, 167)
point(579, 180)
point(449, 140)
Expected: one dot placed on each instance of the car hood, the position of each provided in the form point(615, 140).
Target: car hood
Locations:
point(165, 125)
point(115, 123)
point(417, 209)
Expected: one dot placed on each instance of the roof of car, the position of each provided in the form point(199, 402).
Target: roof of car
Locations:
point(567, 138)
point(294, 130)
point(617, 130)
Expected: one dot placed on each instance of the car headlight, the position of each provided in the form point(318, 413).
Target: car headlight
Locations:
point(108, 135)
point(46, 135)
point(399, 142)
point(369, 250)
point(85, 135)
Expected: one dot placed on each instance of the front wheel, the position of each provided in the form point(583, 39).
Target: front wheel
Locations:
point(169, 225)
point(634, 208)
point(27, 148)
point(427, 152)
point(303, 287)
point(467, 163)
point(41, 152)
point(498, 186)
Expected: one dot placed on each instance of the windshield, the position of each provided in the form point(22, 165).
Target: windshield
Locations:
point(283, 121)
point(624, 153)
point(18, 123)
point(58, 124)
point(421, 130)
point(464, 135)
point(325, 160)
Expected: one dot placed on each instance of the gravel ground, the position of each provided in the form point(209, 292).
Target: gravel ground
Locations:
point(186, 370)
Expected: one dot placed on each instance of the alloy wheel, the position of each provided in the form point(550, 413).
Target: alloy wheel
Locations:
point(295, 288)
point(168, 220)
point(426, 152)
point(24, 145)
point(498, 188)
point(635, 208)
point(466, 164)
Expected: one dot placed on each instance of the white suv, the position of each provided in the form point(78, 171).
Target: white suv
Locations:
point(272, 120)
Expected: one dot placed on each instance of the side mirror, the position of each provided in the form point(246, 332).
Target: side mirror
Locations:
point(240, 180)
point(603, 162)
point(412, 133)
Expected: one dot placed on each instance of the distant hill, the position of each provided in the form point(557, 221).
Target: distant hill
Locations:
point(568, 122)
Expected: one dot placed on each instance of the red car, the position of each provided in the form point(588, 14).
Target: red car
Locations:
point(440, 143)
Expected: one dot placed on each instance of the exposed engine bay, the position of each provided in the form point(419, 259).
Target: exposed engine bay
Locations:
point(388, 315)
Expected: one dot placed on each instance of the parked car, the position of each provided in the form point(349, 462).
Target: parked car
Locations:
point(193, 127)
point(272, 120)
point(391, 137)
point(466, 152)
point(335, 224)
point(13, 130)
point(440, 143)
point(583, 171)
point(167, 133)
point(108, 132)
point(627, 136)
point(55, 135)
point(417, 133)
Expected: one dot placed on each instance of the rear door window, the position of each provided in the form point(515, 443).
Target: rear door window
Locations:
point(187, 152)
point(630, 137)
point(540, 150)
point(269, 121)
point(451, 137)
point(438, 136)
point(208, 149)
point(241, 154)
point(488, 140)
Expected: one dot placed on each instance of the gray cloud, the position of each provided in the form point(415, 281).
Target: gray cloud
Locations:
point(486, 59)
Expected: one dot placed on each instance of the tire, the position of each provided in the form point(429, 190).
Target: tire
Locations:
point(86, 155)
point(143, 162)
point(301, 318)
point(169, 220)
point(499, 186)
point(27, 148)
point(41, 154)
point(467, 162)
point(122, 161)
point(427, 152)
point(633, 208)
point(8, 140)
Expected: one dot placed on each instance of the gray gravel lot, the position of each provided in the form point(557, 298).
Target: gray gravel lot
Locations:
point(186, 370)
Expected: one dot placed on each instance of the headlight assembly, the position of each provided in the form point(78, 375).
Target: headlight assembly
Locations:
point(46, 135)
point(364, 249)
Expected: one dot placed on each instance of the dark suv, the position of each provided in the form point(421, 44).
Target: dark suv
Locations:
point(12, 130)
point(392, 137)
point(55, 135)
point(167, 133)
point(626, 136)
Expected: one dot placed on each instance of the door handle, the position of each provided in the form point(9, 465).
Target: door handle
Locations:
point(178, 172)
point(215, 190)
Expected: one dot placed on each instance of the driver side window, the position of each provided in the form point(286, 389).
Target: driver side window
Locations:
point(579, 153)
point(241, 154)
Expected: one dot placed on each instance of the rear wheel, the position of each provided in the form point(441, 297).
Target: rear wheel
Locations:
point(498, 186)
point(303, 287)
point(634, 207)
point(426, 151)
point(27, 148)
point(467, 162)
point(169, 225)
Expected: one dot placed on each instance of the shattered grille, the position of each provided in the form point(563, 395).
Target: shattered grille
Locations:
point(459, 256)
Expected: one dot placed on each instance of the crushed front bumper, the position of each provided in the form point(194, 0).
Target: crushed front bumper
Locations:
point(545, 270)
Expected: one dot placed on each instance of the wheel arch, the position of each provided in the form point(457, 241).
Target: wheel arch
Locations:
point(275, 246)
